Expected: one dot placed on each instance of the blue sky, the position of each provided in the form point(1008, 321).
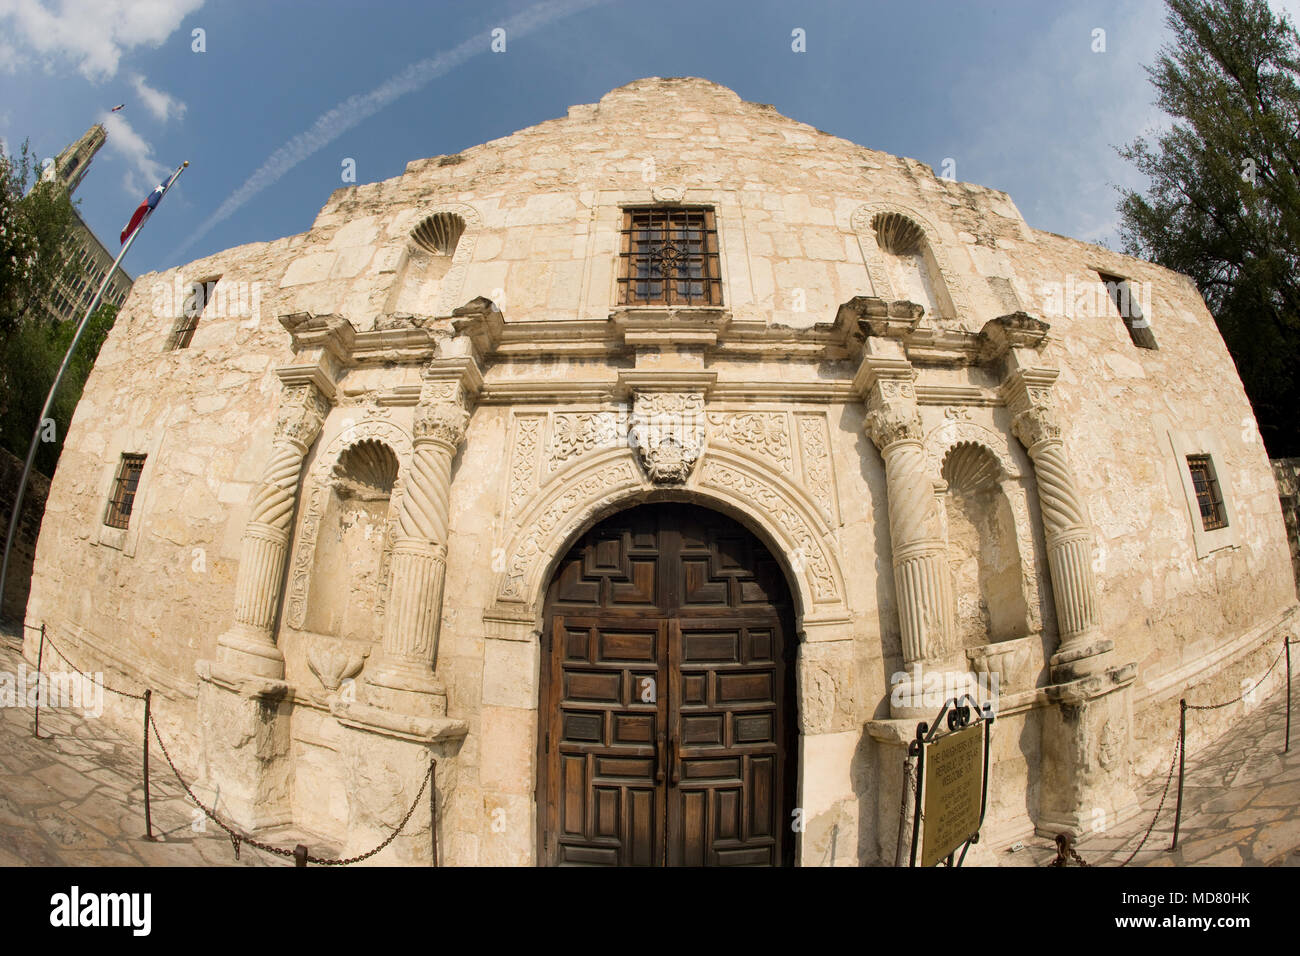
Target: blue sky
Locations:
point(285, 91)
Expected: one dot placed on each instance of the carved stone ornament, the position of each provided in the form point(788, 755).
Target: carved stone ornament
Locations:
point(889, 422)
point(1034, 425)
point(667, 431)
point(333, 662)
point(302, 413)
point(442, 422)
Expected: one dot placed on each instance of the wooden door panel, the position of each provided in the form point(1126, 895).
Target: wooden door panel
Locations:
point(664, 691)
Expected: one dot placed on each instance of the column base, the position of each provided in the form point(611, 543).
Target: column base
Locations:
point(250, 650)
point(1081, 657)
point(406, 688)
point(246, 770)
point(927, 686)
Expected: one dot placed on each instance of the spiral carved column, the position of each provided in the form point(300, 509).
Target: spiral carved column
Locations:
point(922, 578)
point(418, 569)
point(1066, 533)
point(249, 645)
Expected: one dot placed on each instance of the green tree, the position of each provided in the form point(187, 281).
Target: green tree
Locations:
point(35, 224)
point(1223, 202)
point(35, 227)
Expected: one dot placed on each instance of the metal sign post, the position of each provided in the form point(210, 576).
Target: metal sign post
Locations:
point(952, 782)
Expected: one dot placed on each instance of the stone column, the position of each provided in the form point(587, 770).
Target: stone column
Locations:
point(249, 646)
point(1068, 536)
point(407, 660)
point(922, 578)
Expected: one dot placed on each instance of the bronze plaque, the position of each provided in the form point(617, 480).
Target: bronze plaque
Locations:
point(954, 788)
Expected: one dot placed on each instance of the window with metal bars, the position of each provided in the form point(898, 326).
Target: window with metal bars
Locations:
point(199, 295)
point(1208, 496)
point(669, 256)
point(124, 489)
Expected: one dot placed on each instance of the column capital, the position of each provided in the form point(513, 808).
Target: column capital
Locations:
point(302, 411)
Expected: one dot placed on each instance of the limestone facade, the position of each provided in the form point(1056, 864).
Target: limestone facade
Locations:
point(356, 492)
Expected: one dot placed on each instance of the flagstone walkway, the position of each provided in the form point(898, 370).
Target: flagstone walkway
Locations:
point(74, 798)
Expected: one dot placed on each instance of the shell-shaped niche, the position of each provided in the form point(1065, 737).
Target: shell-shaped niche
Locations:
point(897, 235)
point(439, 233)
point(366, 471)
point(969, 467)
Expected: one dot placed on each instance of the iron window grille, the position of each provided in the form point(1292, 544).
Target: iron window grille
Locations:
point(124, 490)
point(669, 256)
point(1208, 496)
point(192, 306)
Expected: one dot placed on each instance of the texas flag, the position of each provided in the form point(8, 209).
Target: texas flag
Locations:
point(150, 203)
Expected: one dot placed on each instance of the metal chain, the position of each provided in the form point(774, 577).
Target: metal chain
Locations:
point(120, 693)
point(1234, 700)
point(237, 838)
point(1178, 743)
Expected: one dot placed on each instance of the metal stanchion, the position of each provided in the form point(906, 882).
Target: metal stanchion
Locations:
point(300, 855)
point(40, 655)
point(148, 818)
point(1182, 758)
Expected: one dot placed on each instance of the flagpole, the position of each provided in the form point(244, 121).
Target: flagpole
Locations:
point(16, 516)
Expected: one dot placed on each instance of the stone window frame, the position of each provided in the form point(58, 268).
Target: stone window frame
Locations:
point(1137, 324)
point(714, 294)
point(145, 442)
point(182, 333)
point(605, 236)
point(1201, 443)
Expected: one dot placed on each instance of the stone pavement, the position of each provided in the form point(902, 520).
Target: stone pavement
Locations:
point(1241, 804)
point(74, 798)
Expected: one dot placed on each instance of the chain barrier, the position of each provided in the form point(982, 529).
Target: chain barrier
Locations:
point(299, 854)
point(1065, 846)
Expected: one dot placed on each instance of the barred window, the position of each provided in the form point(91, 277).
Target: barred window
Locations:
point(669, 256)
point(124, 489)
point(1208, 496)
point(199, 294)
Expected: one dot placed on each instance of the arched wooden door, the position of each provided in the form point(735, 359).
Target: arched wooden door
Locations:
point(667, 725)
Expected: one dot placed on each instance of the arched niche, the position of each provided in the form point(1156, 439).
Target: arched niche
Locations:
point(351, 495)
point(906, 259)
point(435, 257)
point(983, 550)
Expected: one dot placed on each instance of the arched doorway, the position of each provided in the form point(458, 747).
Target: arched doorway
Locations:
point(667, 722)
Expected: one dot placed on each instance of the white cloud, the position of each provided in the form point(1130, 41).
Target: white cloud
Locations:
point(92, 33)
point(145, 171)
point(332, 124)
point(162, 105)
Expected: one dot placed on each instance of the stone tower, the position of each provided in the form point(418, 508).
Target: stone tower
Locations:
point(71, 164)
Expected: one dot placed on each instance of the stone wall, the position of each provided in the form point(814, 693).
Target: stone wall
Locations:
point(18, 583)
point(1287, 473)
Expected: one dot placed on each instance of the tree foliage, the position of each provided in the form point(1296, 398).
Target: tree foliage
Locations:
point(1223, 202)
point(35, 227)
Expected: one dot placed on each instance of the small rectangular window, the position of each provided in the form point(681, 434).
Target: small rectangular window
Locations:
point(197, 297)
point(1121, 295)
point(669, 256)
point(1208, 496)
point(124, 490)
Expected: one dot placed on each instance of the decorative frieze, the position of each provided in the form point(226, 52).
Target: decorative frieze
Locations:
point(764, 434)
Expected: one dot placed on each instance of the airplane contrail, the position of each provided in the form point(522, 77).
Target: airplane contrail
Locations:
point(333, 123)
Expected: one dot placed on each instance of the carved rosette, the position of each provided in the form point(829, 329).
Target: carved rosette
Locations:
point(667, 431)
